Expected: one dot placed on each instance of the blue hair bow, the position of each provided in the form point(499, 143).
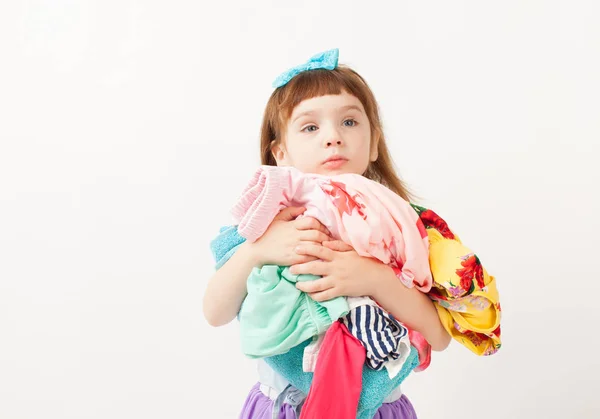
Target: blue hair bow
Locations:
point(327, 60)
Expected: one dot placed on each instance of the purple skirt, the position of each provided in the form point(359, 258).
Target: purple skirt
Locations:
point(259, 406)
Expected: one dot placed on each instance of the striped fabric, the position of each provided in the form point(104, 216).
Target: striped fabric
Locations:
point(378, 331)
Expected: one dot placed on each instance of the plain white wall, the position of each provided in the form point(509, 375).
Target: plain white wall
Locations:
point(122, 122)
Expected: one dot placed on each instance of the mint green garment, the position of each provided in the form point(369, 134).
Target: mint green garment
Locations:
point(276, 316)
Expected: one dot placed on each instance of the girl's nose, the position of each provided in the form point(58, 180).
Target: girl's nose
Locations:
point(330, 142)
point(332, 137)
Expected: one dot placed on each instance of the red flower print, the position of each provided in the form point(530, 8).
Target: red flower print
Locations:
point(472, 269)
point(496, 331)
point(343, 201)
point(436, 294)
point(468, 272)
point(466, 283)
point(432, 220)
point(479, 273)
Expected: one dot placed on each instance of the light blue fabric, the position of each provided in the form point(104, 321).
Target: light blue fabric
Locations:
point(327, 60)
point(225, 244)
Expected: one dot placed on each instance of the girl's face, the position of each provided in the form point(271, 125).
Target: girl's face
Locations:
point(327, 135)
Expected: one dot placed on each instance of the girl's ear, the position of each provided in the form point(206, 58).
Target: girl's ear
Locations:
point(374, 153)
point(278, 152)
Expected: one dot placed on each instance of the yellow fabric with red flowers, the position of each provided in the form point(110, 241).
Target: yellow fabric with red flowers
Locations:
point(464, 294)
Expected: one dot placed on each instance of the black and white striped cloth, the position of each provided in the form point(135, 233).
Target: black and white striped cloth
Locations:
point(378, 331)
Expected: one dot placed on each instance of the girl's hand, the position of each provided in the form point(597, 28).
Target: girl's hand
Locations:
point(277, 245)
point(344, 272)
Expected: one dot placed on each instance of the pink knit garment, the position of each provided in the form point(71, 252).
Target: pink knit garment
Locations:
point(368, 216)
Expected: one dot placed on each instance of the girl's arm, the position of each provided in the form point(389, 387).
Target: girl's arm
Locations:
point(227, 288)
point(411, 307)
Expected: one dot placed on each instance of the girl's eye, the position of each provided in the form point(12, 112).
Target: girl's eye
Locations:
point(310, 128)
point(352, 122)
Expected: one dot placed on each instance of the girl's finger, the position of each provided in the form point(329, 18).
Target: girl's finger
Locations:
point(289, 213)
point(326, 295)
point(314, 236)
point(300, 259)
point(318, 285)
point(310, 223)
point(338, 245)
point(315, 250)
point(317, 267)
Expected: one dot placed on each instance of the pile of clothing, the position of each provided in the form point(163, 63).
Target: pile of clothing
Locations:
point(312, 344)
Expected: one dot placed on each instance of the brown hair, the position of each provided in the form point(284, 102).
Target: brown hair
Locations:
point(313, 83)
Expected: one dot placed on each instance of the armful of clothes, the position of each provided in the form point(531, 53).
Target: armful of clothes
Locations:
point(465, 295)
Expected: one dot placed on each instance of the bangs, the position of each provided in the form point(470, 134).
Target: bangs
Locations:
point(314, 83)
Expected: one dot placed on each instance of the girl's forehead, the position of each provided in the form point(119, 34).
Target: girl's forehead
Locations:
point(340, 102)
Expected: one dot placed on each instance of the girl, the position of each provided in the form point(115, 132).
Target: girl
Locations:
point(322, 118)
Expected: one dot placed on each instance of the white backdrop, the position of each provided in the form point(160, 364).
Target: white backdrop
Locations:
point(127, 129)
